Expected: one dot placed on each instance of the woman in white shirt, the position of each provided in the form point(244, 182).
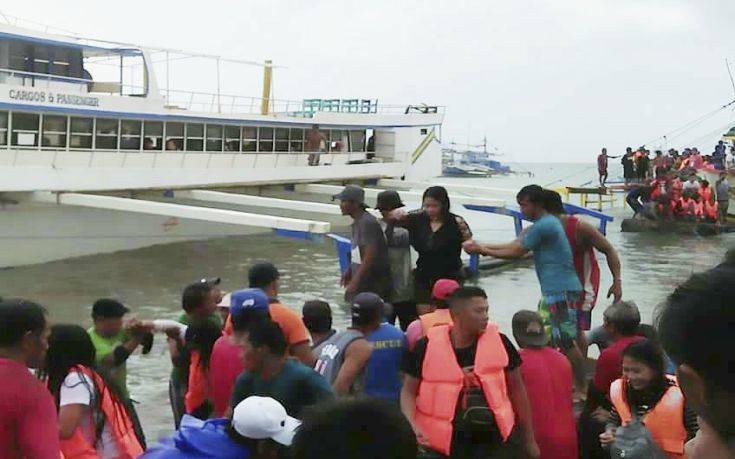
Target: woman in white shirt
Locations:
point(93, 422)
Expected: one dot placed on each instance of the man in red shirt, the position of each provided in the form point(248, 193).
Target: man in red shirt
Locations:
point(29, 427)
point(547, 375)
point(621, 321)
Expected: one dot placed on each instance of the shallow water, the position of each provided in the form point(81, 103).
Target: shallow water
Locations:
point(150, 280)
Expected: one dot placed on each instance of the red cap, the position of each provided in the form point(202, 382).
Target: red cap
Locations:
point(443, 288)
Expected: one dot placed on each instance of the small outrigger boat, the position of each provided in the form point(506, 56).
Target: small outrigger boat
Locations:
point(643, 225)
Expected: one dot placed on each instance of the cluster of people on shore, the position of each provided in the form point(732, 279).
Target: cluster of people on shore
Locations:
point(254, 378)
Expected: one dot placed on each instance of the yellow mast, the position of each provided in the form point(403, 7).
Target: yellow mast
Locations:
point(267, 81)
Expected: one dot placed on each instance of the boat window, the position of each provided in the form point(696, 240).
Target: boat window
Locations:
point(249, 138)
point(130, 135)
point(232, 138)
point(174, 136)
point(282, 139)
point(3, 128)
point(54, 131)
point(152, 135)
point(297, 140)
point(357, 140)
point(25, 129)
point(53, 60)
point(214, 137)
point(338, 140)
point(81, 133)
point(194, 137)
point(265, 139)
point(105, 137)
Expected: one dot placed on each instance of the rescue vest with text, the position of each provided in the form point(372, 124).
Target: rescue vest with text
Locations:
point(115, 417)
point(665, 421)
point(442, 381)
point(432, 319)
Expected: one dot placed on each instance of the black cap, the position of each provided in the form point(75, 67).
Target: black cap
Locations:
point(351, 193)
point(106, 308)
point(261, 275)
point(210, 281)
point(528, 329)
point(366, 307)
point(388, 200)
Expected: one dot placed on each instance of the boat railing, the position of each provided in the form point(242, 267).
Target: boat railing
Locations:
point(212, 102)
point(81, 85)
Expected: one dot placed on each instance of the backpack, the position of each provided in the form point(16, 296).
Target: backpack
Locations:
point(634, 441)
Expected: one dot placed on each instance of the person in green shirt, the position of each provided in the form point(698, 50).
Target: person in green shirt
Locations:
point(270, 374)
point(199, 301)
point(114, 341)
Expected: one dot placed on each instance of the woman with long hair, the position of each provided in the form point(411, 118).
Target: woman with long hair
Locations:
point(646, 393)
point(93, 422)
point(437, 236)
point(200, 339)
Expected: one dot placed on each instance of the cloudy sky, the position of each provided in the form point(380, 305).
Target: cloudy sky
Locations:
point(545, 80)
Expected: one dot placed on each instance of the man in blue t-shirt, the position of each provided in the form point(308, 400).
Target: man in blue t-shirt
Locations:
point(552, 256)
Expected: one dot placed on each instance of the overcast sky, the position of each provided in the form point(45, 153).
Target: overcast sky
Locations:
point(545, 80)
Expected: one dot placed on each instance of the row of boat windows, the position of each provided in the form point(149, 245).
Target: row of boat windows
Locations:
point(26, 130)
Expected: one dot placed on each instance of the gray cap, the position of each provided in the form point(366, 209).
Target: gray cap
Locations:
point(351, 193)
point(528, 329)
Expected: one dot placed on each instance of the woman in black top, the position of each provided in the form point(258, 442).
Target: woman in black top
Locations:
point(437, 236)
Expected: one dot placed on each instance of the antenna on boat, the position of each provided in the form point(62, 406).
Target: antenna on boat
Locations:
point(732, 82)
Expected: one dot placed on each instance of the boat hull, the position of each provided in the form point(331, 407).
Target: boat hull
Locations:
point(639, 225)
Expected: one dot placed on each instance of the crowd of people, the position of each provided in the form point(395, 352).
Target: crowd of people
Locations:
point(669, 187)
point(253, 377)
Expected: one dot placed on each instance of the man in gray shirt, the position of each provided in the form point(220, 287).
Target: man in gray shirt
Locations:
point(370, 267)
point(722, 189)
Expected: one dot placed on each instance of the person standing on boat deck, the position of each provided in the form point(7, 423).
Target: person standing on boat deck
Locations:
point(722, 190)
point(345, 355)
point(317, 316)
point(627, 162)
point(437, 235)
point(199, 302)
point(399, 255)
point(602, 166)
point(553, 258)
point(29, 425)
point(315, 144)
point(369, 270)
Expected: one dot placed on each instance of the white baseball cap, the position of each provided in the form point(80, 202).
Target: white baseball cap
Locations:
point(225, 303)
point(259, 418)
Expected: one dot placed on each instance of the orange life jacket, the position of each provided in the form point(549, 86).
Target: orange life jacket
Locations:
point(665, 421)
point(432, 319)
point(116, 418)
point(197, 390)
point(710, 210)
point(705, 193)
point(442, 381)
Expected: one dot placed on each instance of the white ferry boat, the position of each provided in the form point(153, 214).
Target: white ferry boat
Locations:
point(89, 143)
